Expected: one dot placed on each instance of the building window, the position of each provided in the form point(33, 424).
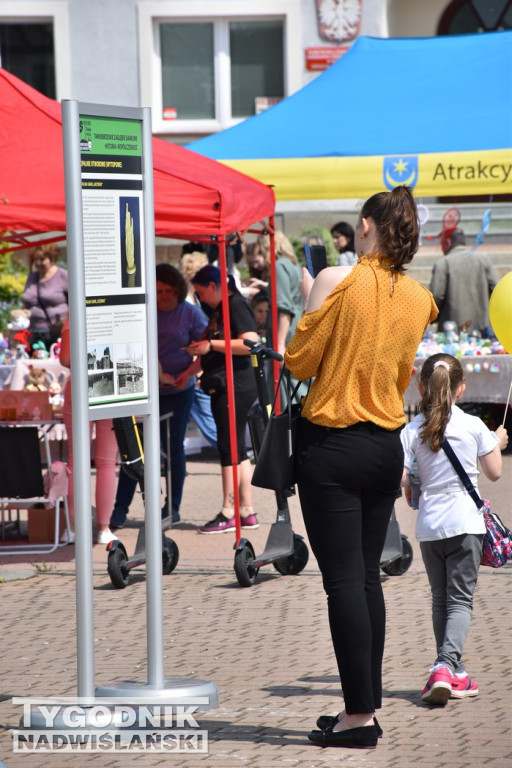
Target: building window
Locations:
point(188, 78)
point(206, 66)
point(216, 70)
point(27, 51)
point(256, 53)
point(464, 17)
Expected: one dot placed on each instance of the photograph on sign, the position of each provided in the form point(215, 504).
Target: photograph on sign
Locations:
point(130, 242)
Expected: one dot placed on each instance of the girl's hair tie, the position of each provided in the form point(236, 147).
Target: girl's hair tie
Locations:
point(443, 363)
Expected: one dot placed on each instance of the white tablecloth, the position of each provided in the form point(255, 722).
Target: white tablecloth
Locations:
point(18, 377)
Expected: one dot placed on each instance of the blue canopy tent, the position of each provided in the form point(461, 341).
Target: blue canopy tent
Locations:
point(433, 113)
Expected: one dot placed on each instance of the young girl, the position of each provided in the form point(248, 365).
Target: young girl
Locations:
point(449, 526)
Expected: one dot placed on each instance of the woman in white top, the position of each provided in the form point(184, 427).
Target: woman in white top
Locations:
point(343, 239)
point(449, 526)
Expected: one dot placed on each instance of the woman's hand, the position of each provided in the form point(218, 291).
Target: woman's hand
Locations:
point(253, 287)
point(196, 348)
point(181, 380)
point(305, 285)
point(167, 380)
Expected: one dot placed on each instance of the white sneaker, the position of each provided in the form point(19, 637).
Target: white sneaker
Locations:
point(68, 537)
point(105, 537)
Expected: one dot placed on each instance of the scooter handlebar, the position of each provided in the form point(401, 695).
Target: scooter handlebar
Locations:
point(258, 349)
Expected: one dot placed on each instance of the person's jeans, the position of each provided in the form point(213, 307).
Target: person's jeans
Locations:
point(452, 569)
point(126, 487)
point(179, 404)
point(201, 412)
point(348, 480)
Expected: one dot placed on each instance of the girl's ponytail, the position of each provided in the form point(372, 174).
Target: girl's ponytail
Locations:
point(440, 377)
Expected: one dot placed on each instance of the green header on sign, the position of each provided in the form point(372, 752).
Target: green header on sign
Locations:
point(110, 136)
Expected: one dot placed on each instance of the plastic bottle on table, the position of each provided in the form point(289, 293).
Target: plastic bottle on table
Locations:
point(414, 481)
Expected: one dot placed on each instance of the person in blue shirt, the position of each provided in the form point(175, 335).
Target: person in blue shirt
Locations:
point(179, 323)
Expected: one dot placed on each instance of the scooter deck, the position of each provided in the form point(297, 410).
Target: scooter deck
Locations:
point(279, 544)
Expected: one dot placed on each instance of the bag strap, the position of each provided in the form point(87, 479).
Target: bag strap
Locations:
point(466, 482)
point(290, 394)
point(41, 303)
point(284, 374)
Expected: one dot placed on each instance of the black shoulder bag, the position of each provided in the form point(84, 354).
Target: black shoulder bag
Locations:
point(275, 465)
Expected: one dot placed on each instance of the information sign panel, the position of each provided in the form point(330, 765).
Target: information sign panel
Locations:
point(114, 259)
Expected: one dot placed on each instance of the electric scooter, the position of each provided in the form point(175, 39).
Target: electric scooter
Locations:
point(285, 550)
point(119, 564)
point(396, 556)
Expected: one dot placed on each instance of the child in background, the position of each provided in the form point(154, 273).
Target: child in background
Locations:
point(449, 526)
point(260, 306)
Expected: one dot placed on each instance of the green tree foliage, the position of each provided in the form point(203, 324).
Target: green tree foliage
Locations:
point(13, 275)
point(317, 235)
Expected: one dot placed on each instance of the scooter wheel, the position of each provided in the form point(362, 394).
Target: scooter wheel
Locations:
point(402, 564)
point(296, 562)
point(244, 567)
point(170, 555)
point(117, 570)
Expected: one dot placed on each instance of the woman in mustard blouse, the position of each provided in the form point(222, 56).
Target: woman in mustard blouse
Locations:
point(358, 338)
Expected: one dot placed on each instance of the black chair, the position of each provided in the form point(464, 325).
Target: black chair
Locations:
point(22, 485)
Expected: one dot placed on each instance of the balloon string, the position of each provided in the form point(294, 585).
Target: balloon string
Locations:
point(508, 401)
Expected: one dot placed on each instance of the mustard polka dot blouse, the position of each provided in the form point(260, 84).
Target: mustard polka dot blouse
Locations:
point(360, 346)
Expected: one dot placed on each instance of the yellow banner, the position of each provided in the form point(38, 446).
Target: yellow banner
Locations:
point(488, 172)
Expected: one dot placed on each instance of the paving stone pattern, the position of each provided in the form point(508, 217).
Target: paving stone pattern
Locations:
point(266, 648)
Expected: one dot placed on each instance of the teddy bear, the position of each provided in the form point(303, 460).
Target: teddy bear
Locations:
point(39, 351)
point(36, 379)
point(56, 397)
point(18, 328)
point(20, 319)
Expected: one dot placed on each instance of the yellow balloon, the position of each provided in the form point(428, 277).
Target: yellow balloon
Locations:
point(500, 311)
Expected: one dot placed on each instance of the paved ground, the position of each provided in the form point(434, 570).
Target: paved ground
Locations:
point(266, 648)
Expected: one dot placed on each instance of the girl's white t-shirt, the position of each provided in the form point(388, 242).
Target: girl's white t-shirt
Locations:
point(446, 509)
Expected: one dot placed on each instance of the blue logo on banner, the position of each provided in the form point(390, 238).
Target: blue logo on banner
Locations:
point(402, 169)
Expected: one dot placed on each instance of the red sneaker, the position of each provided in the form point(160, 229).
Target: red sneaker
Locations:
point(463, 687)
point(439, 687)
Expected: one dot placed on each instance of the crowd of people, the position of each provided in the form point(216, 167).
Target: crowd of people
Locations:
point(353, 331)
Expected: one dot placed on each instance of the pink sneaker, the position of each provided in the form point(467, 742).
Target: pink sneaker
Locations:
point(463, 687)
point(219, 524)
point(439, 686)
point(251, 521)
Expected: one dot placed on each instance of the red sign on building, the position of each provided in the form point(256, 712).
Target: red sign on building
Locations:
point(318, 59)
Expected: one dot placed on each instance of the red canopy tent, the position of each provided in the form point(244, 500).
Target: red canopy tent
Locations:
point(194, 197)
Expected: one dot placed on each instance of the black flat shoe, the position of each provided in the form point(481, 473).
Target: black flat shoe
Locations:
point(357, 738)
point(325, 722)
